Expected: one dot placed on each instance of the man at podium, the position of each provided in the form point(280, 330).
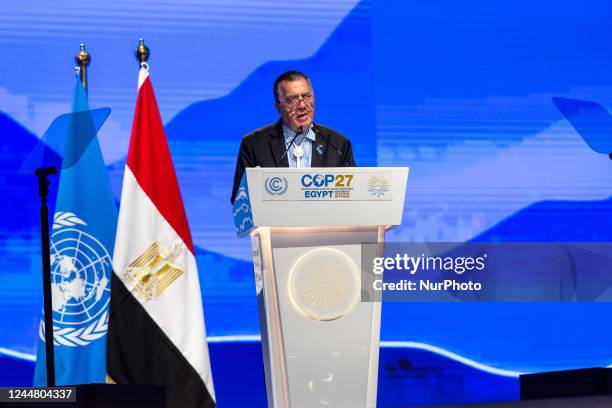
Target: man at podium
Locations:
point(294, 140)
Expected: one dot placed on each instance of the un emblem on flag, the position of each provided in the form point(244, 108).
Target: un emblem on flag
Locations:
point(80, 283)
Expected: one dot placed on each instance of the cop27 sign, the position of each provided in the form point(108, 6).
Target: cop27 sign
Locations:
point(328, 186)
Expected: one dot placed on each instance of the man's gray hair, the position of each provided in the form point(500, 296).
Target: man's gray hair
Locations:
point(288, 76)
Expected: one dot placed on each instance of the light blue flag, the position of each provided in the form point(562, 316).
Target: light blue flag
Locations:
point(82, 241)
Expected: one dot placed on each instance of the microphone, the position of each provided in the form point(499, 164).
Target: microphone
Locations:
point(297, 133)
point(316, 129)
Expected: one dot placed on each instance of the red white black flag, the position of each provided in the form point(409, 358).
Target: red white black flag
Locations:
point(156, 329)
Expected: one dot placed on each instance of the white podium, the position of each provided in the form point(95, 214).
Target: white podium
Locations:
point(320, 342)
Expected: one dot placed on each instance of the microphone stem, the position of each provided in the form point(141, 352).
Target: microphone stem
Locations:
point(298, 132)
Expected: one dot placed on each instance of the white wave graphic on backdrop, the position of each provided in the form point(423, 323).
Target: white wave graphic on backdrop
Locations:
point(384, 344)
point(189, 44)
point(473, 185)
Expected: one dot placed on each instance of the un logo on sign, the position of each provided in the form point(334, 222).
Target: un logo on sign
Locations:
point(276, 185)
point(81, 268)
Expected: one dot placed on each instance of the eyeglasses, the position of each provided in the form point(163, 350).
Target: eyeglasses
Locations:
point(294, 100)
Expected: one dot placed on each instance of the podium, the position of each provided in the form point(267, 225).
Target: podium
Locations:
point(320, 341)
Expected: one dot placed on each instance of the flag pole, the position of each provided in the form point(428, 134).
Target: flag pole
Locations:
point(42, 174)
point(43, 191)
point(142, 52)
point(83, 59)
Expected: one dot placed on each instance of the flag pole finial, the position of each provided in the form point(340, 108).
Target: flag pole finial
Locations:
point(142, 52)
point(83, 59)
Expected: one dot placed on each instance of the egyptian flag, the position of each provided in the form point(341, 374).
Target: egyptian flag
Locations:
point(156, 329)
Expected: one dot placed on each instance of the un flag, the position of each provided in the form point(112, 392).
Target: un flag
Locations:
point(82, 241)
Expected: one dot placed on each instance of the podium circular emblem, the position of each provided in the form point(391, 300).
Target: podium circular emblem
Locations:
point(324, 284)
point(276, 185)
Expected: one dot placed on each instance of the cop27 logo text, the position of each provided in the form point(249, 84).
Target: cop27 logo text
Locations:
point(327, 180)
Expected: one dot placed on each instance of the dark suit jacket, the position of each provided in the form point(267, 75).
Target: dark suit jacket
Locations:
point(264, 147)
